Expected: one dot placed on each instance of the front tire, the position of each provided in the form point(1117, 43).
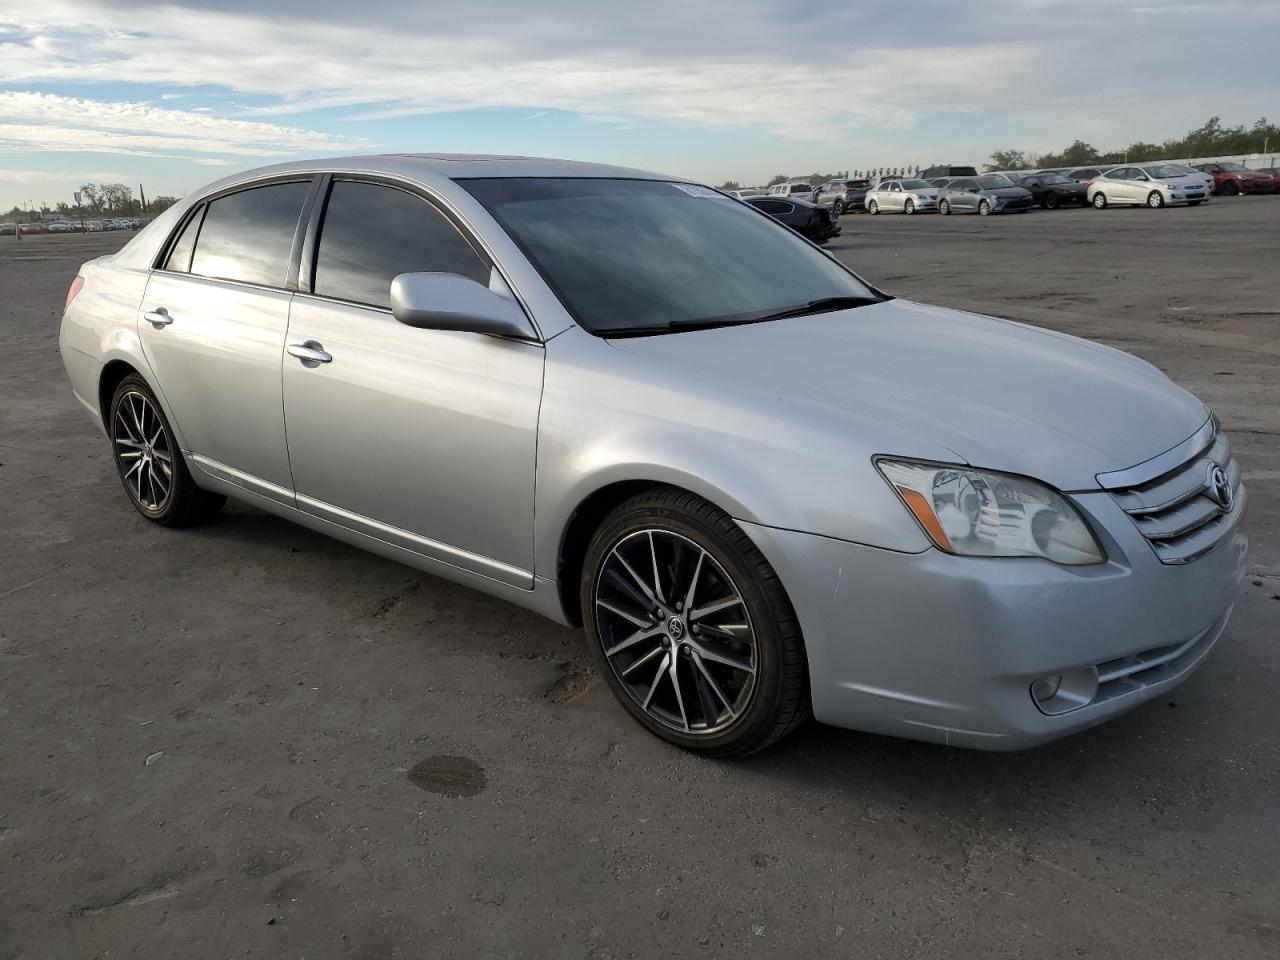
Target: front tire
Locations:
point(1155, 200)
point(1231, 189)
point(1099, 201)
point(838, 208)
point(944, 208)
point(1051, 201)
point(691, 628)
point(151, 467)
point(984, 208)
point(909, 207)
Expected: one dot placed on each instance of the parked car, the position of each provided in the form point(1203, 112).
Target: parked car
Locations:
point(61, 226)
point(817, 223)
point(946, 170)
point(625, 401)
point(989, 193)
point(1205, 178)
point(794, 189)
point(8, 229)
point(1152, 184)
point(1232, 179)
point(1052, 190)
point(902, 196)
point(745, 194)
point(843, 194)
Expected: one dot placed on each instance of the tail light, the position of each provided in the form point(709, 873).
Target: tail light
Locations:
point(76, 286)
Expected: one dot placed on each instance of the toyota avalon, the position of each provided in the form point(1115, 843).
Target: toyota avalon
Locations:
point(764, 488)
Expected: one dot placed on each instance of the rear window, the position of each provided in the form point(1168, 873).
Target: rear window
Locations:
point(248, 236)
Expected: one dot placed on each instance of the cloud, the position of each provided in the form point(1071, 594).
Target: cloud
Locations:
point(48, 122)
point(60, 176)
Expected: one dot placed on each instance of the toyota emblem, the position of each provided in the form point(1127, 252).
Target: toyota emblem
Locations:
point(1219, 487)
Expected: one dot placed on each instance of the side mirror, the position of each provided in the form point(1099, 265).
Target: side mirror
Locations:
point(447, 301)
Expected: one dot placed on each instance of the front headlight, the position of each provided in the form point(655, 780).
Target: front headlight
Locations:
point(981, 513)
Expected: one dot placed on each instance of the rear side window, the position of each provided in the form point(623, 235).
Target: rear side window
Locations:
point(248, 236)
point(179, 259)
point(371, 233)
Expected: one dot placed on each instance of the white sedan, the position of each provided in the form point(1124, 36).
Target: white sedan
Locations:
point(1154, 185)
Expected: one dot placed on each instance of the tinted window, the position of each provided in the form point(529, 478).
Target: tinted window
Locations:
point(772, 206)
point(963, 184)
point(641, 255)
point(179, 259)
point(249, 235)
point(371, 233)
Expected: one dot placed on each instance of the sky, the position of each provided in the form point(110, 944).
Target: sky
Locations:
point(173, 95)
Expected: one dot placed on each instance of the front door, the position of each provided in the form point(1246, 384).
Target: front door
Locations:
point(213, 328)
point(422, 438)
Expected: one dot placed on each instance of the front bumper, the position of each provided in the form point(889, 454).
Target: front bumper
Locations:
point(935, 647)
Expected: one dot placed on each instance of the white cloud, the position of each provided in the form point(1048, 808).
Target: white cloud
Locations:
point(43, 121)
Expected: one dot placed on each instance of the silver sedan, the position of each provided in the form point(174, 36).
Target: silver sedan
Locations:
point(902, 196)
point(628, 402)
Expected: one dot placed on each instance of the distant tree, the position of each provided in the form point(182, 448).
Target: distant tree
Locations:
point(777, 179)
point(1008, 160)
point(727, 185)
point(161, 203)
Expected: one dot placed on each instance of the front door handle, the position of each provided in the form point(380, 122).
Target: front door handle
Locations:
point(310, 353)
point(159, 317)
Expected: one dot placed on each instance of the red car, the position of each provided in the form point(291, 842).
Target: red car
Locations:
point(1231, 179)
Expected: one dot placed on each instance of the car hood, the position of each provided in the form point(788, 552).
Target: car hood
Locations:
point(997, 394)
point(1011, 193)
point(1189, 180)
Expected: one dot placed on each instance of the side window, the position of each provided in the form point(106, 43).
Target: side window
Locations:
point(248, 235)
point(179, 259)
point(371, 233)
point(963, 184)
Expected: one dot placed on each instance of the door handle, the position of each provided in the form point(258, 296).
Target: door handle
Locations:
point(159, 317)
point(310, 353)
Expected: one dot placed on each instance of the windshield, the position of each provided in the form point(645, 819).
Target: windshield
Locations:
point(636, 255)
point(994, 181)
point(1232, 166)
point(916, 185)
point(1054, 178)
point(1161, 171)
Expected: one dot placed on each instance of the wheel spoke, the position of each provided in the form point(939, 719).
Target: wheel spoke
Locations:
point(714, 607)
point(720, 658)
point(657, 678)
point(715, 687)
point(625, 585)
point(126, 442)
point(644, 633)
point(644, 587)
point(693, 584)
point(130, 454)
point(656, 651)
point(675, 682)
point(657, 580)
point(629, 617)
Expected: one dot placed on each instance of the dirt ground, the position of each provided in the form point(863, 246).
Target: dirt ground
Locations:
point(247, 740)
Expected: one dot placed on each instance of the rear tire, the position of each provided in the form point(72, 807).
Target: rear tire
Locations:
point(1099, 201)
point(723, 683)
point(837, 208)
point(151, 467)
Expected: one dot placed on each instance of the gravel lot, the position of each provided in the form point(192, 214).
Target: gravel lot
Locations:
point(227, 741)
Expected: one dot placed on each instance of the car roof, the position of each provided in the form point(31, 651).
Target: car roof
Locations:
point(436, 168)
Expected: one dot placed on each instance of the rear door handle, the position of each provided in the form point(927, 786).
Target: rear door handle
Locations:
point(309, 353)
point(159, 317)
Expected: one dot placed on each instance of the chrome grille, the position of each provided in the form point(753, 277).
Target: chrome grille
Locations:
point(1178, 511)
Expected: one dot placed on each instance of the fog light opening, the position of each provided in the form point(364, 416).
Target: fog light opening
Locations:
point(1063, 692)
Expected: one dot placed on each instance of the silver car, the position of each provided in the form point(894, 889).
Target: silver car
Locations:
point(902, 196)
point(1151, 184)
point(625, 401)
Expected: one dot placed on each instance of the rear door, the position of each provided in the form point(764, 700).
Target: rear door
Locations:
point(421, 438)
point(213, 324)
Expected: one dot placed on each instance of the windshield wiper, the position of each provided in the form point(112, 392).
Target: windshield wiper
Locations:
point(822, 305)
